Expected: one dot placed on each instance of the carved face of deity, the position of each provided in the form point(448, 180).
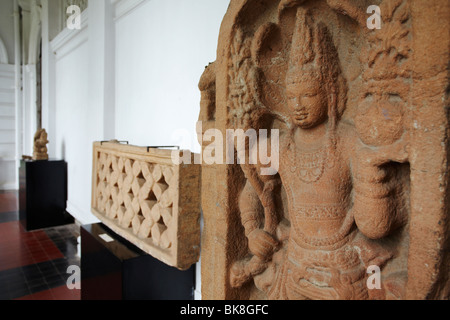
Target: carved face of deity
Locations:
point(307, 101)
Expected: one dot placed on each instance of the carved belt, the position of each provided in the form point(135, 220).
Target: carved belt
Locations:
point(335, 274)
point(343, 258)
point(338, 286)
point(321, 213)
point(318, 212)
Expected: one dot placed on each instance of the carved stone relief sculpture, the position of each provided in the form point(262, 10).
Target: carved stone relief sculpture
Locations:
point(354, 117)
point(40, 151)
point(141, 195)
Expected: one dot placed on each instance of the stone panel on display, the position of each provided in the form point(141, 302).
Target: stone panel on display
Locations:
point(357, 92)
point(144, 197)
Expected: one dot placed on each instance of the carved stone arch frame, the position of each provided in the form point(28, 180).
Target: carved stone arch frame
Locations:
point(428, 120)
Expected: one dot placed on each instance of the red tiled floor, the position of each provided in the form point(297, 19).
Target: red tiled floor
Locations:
point(33, 264)
point(43, 295)
point(63, 293)
point(60, 293)
point(8, 202)
point(20, 248)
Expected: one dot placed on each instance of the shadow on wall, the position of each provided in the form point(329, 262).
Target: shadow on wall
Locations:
point(63, 149)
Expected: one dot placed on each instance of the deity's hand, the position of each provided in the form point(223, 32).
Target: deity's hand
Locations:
point(397, 152)
point(262, 244)
point(375, 207)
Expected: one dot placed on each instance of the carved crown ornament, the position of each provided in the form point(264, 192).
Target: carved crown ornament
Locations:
point(350, 193)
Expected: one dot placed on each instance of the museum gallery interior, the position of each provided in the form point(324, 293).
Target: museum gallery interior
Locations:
point(224, 150)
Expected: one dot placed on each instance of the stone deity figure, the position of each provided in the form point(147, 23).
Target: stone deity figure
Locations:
point(40, 151)
point(341, 195)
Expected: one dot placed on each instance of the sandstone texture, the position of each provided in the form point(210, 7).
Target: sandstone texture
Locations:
point(144, 197)
point(40, 151)
point(363, 119)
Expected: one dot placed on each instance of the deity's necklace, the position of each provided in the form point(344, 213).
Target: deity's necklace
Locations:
point(309, 167)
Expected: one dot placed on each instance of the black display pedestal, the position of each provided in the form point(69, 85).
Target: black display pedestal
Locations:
point(118, 270)
point(43, 194)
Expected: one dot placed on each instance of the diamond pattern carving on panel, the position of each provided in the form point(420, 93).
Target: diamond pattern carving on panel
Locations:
point(137, 194)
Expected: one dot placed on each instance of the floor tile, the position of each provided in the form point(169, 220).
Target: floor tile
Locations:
point(58, 293)
point(43, 295)
point(33, 265)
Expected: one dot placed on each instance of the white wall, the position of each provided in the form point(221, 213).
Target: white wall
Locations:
point(74, 120)
point(7, 27)
point(130, 73)
point(75, 129)
point(161, 52)
point(8, 170)
point(162, 48)
point(7, 128)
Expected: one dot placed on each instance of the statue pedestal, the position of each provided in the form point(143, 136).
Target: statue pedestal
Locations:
point(112, 268)
point(43, 194)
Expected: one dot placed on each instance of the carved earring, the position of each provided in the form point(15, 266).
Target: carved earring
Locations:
point(333, 107)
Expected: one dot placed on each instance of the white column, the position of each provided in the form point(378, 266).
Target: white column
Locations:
point(48, 77)
point(32, 49)
point(102, 64)
point(26, 78)
point(18, 87)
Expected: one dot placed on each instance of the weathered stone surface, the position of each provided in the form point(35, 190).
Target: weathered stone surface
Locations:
point(363, 119)
point(40, 151)
point(145, 198)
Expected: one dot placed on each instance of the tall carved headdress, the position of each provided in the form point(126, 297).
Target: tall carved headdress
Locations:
point(314, 57)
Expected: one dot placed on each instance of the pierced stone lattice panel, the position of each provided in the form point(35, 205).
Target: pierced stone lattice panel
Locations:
point(148, 200)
